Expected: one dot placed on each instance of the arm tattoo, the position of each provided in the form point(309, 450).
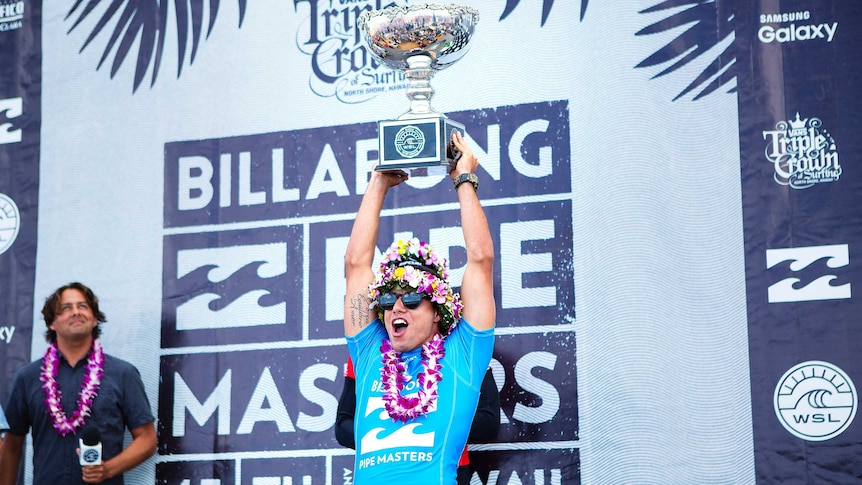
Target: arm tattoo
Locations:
point(359, 312)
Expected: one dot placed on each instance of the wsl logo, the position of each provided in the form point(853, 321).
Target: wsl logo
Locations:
point(91, 456)
point(802, 153)
point(815, 401)
point(409, 141)
point(10, 221)
point(11, 16)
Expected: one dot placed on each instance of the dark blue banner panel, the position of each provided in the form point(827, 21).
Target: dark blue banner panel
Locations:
point(799, 111)
point(20, 124)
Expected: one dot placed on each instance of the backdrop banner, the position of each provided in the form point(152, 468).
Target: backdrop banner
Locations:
point(20, 125)
point(670, 188)
point(799, 139)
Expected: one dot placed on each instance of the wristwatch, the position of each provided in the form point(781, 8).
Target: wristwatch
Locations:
point(467, 177)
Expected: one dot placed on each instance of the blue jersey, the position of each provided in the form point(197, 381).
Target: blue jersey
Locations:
point(426, 449)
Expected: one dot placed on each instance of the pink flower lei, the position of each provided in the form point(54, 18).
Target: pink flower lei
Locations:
point(414, 264)
point(89, 388)
point(394, 376)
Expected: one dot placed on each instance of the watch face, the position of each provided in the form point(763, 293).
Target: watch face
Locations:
point(467, 177)
point(9, 222)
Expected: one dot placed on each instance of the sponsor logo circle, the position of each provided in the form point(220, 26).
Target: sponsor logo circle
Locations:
point(91, 456)
point(409, 141)
point(815, 400)
point(10, 221)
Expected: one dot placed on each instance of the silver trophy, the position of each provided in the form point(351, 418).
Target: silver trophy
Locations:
point(420, 40)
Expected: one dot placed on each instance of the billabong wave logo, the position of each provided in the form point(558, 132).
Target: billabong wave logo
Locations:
point(246, 264)
point(379, 439)
point(815, 401)
point(10, 222)
point(801, 260)
point(802, 153)
point(9, 109)
point(11, 16)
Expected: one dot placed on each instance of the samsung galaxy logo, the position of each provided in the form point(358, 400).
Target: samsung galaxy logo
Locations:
point(6, 334)
point(795, 33)
point(779, 18)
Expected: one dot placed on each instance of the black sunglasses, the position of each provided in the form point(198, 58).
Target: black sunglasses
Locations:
point(410, 300)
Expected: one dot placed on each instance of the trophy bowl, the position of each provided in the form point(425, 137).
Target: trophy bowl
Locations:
point(394, 34)
point(419, 40)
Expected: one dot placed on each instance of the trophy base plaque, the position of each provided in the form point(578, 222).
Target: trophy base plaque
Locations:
point(417, 143)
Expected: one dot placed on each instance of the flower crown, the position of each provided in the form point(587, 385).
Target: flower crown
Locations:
point(416, 265)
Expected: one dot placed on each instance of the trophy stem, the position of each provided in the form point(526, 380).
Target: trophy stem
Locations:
point(419, 72)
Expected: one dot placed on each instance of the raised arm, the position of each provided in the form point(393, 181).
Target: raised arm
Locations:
point(477, 286)
point(359, 257)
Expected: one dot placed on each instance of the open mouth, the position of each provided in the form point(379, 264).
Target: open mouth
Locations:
point(399, 326)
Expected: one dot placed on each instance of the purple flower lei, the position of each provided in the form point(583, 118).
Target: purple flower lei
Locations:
point(394, 376)
point(89, 388)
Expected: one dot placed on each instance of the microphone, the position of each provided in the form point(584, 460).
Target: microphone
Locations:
point(90, 443)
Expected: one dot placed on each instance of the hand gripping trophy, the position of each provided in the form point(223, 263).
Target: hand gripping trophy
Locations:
point(420, 40)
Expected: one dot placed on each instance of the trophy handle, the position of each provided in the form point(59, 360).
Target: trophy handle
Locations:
point(452, 153)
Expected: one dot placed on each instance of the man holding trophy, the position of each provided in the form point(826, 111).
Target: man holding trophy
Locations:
point(420, 350)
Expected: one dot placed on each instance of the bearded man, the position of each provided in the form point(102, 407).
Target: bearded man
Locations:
point(76, 391)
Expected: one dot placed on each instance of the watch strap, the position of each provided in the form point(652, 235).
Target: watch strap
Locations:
point(467, 177)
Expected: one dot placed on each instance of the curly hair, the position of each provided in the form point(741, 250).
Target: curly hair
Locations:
point(52, 307)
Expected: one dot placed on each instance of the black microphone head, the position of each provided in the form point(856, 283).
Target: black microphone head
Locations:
point(91, 436)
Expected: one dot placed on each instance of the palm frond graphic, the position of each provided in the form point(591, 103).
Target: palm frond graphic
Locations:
point(711, 26)
point(147, 18)
point(546, 9)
